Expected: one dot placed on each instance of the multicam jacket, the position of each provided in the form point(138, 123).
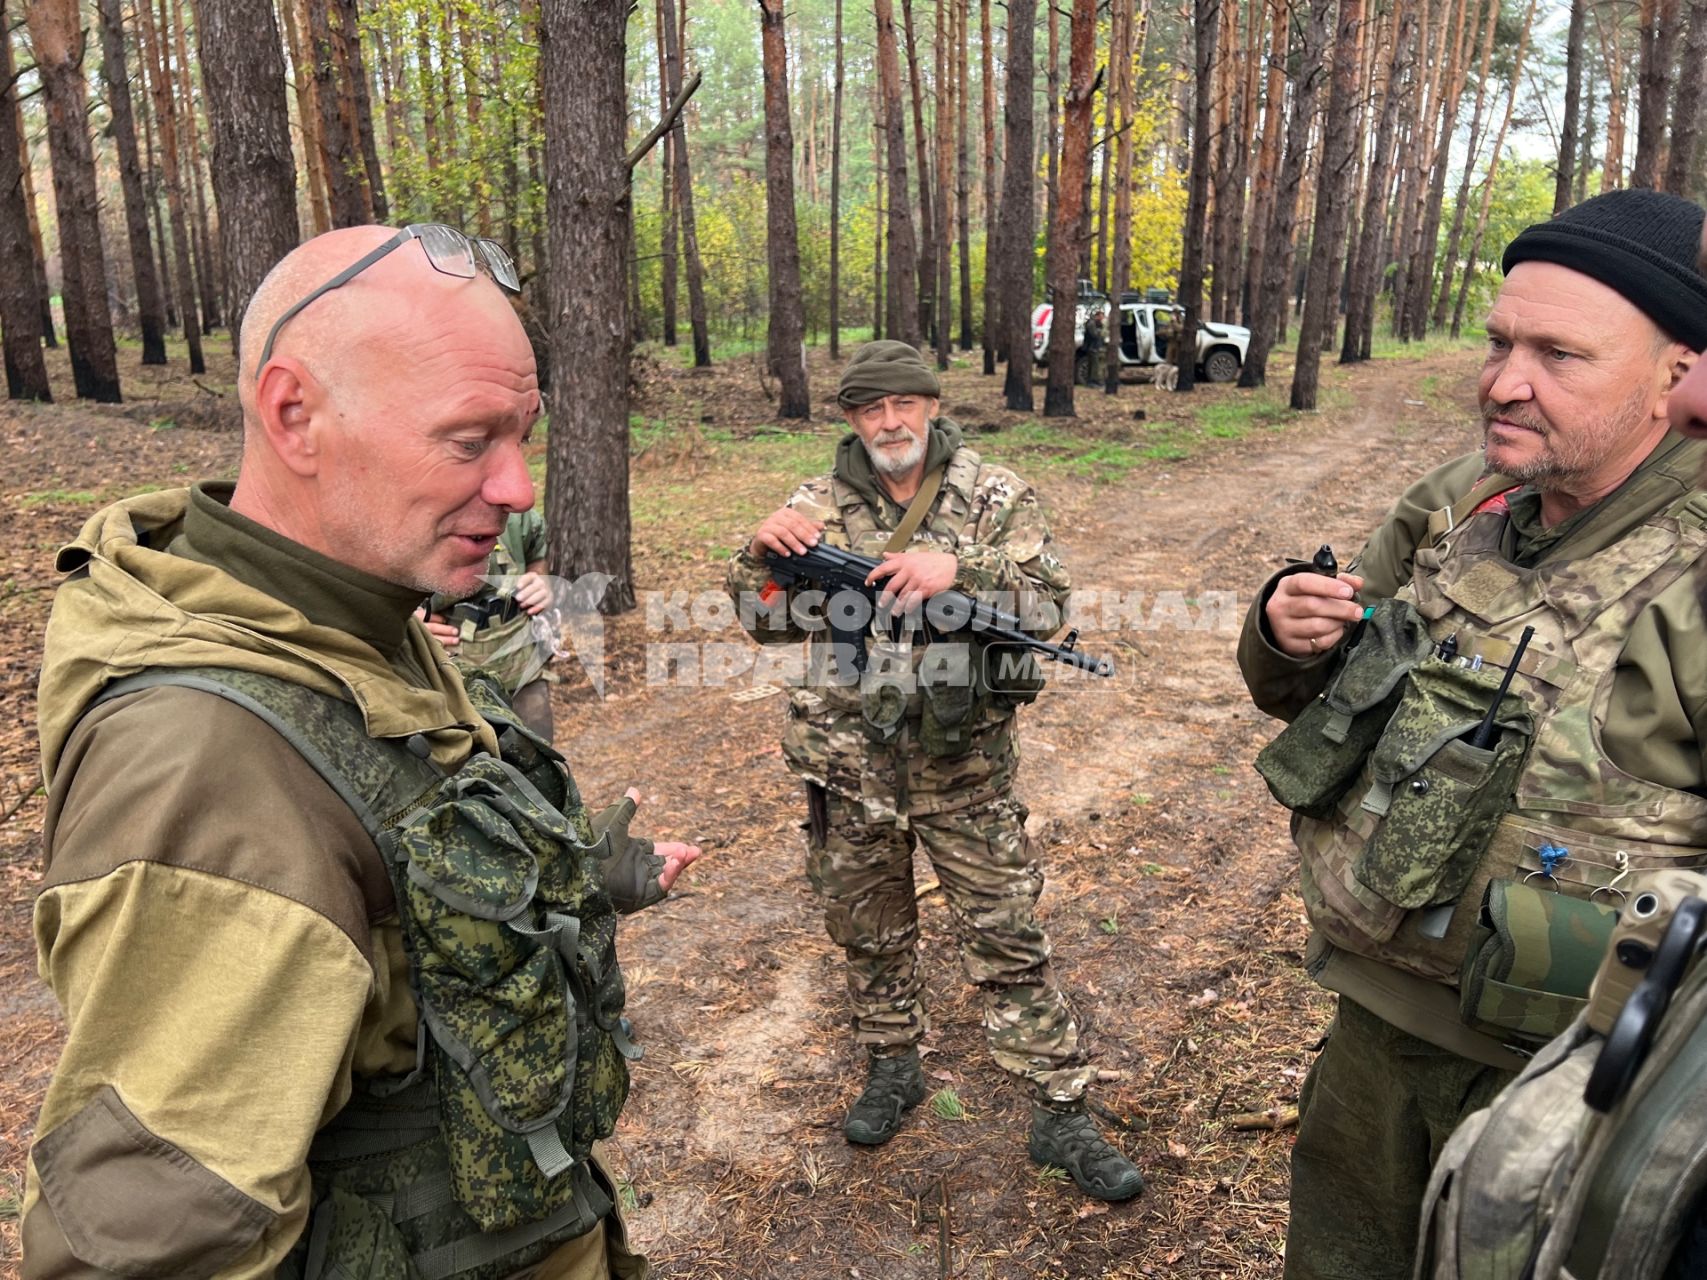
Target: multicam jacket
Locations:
point(1602, 715)
point(992, 521)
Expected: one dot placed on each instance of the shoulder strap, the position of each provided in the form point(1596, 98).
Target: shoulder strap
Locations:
point(1444, 521)
point(917, 509)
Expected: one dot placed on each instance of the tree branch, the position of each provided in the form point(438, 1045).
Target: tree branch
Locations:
point(665, 125)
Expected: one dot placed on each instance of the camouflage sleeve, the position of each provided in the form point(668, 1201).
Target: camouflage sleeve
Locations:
point(534, 539)
point(1282, 685)
point(768, 622)
point(1010, 554)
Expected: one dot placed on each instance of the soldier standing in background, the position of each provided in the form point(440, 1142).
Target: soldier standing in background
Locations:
point(881, 773)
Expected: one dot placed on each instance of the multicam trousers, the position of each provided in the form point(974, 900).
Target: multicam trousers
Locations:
point(983, 859)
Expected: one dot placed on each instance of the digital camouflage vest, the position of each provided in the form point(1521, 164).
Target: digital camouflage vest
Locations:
point(476, 1163)
point(1542, 1185)
point(1483, 867)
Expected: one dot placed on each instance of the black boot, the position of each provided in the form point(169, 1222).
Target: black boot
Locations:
point(894, 1087)
point(1064, 1134)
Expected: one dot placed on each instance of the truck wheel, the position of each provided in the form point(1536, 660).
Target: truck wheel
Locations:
point(1221, 365)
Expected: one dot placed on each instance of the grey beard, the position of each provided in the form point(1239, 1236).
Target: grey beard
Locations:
point(890, 464)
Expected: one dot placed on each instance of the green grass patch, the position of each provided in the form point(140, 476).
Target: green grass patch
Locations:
point(947, 1105)
point(59, 497)
point(1236, 418)
point(1051, 1173)
point(1384, 346)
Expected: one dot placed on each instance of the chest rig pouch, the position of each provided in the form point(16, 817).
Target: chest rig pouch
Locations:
point(475, 1163)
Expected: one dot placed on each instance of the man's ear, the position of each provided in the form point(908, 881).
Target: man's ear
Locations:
point(290, 404)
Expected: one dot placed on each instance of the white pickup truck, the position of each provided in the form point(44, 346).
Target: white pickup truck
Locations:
point(1220, 347)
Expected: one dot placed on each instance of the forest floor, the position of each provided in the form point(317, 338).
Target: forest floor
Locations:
point(1171, 898)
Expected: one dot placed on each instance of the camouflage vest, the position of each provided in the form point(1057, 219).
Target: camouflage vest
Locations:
point(476, 1163)
point(508, 649)
point(1479, 868)
point(1542, 1186)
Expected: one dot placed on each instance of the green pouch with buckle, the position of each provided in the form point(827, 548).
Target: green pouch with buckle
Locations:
point(1438, 797)
point(1528, 971)
point(951, 694)
point(1315, 759)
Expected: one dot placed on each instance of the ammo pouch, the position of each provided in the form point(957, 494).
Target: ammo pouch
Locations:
point(951, 696)
point(1437, 798)
point(1312, 762)
point(1012, 674)
point(883, 690)
point(1533, 957)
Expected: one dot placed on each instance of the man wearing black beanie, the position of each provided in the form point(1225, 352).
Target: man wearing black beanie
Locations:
point(1463, 850)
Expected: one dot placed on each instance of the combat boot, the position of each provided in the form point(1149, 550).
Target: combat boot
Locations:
point(895, 1085)
point(1064, 1134)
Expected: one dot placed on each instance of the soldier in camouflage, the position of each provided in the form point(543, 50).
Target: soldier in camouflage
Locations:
point(906, 489)
point(508, 628)
point(1463, 850)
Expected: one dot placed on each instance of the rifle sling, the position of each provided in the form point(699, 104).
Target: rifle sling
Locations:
point(916, 511)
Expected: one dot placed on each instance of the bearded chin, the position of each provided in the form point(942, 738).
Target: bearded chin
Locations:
point(891, 464)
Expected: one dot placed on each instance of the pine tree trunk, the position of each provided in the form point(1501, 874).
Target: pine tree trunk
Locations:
point(183, 276)
point(44, 299)
point(1413, 170)
point(787, 314)
point(208, 276)
point(1370, 254)
point(1016, 231)
point(1051, 137)
point(151, 311)
point(942, 213)
point(1268, 158)
point(1683, 168)
point(56, 35)
point(308, 117)
point(1659, 27)
point(1206, 38)
point(963, 168)
point(1617, 108)
point(343, 186)
point(254, 174)
point(1332, 201)
point(1585, 150)
point(1472, 258)
point(902, 303)
point(880, 135)
point(927, 243)
point(677, 50)
point(1278, 248)
point(361, 101)
point(20, 310)
point(1461, 202)
point(1565, 173)
point(1068, 233)
point(992, 330)
point(1120, 95)
point(667, 251)
point(587, 194)
point(1422, 274)
point(1225, 207)
point(836, 199)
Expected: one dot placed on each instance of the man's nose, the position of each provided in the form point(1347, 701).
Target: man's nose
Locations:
point(509, 484)
point(1511, 381)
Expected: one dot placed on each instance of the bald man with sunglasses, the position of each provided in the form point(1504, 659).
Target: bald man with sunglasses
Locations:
point(332, 931)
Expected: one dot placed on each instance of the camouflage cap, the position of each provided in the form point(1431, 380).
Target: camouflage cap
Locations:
point(885, 368)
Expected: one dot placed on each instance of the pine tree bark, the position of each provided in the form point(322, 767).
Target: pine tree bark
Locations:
point(209, 276)
point(1683, 167)
point(151, 311)
point(1068, 234)
point(991, 327)
point(1268, 157)
point(343, 187)
point(1224, 206)
point(20, 312)
point(1371, 245)
point(1016, 230)
point(787, 314)
point(1472, 258)
point(836, 199)
point(1332, 201)
point(1051, 134)
point(901, 308)
point(44, 299)
point(183, 276)
point(675, 44)
point(1659, 26)
point(307, 115)
point(1206, 22)
point(1120, 95)
point(361, 102)
point(942, 213)
point(1460, 205)
point(57, 38)
point(880, 213)
point(1565, 172)
point(927, 244)
point(1278, 250)
point(1612, 58)
point(254, 174)
point(585, 115)
point(667, 249)
point(1422, 271)
point(1585, 150)
point(963, 169)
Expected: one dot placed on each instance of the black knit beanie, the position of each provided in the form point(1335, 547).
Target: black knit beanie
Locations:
point(1644, 244)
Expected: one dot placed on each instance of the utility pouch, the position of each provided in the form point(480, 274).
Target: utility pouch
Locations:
point(1437, 797)
point(1528, 971)
point(349, 1238)
point(1011, 673)
point(883, 690)
point(950, 698)
point(1315, 759)
point(513, 949)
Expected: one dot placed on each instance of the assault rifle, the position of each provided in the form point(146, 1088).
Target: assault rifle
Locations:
point(836, 571)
